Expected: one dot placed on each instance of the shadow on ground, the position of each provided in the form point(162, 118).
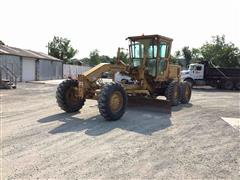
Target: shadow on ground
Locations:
point(143, 122)
point(211, 89)
point(181, 107)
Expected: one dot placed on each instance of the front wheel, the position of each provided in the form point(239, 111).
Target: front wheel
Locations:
point(112, 101)
point(67, 98)
point(185, 92)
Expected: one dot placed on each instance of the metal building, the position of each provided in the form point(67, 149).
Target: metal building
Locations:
point(29, 65)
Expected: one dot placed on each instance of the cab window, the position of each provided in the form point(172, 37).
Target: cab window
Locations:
point(152, 51)
point(163, 50)
point(192, 67)
point(199, 68)
point(136, 54)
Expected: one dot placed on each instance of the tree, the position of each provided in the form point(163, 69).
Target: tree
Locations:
point(94, 58)
point(220, 53)
point(173, 59)
point(187, 54)
point(85, 61)
point(60, 48)
point(75, 62)
point(105, 59)
point(123, 56)
point(196, 55)
point(177, 54)
point(2, 43)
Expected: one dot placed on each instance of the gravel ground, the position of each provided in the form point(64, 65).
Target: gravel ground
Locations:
point(41, 141)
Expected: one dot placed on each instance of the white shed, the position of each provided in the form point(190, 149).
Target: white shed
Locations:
point(29, 65)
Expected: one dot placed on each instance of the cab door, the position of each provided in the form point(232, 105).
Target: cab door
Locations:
point(163, 60)
point(199, 71)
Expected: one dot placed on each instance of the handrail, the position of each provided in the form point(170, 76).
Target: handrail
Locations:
point(10, 73)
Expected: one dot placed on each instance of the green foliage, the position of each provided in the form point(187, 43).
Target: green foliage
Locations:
point(217, 51)
point(2, 43)
point(196, 54)
point(105, 59)
point(75, 62)
point(61, 49)
point(85, 61)
point(174, 60)
point(123, 56)
point(94, 58)
point(220, 53)
point(177, 54)
point(187, 54)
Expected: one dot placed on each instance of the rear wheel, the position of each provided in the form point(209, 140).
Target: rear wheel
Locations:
point(173, 93)
point(228, 85)
point(112, 101)
point(185, 92)
point(190, 81)
point(237, 85)
point(67, 98)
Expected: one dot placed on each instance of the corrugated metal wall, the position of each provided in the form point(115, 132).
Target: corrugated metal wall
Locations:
point(58, 69)
point(45, 69)
point(73, 70)
point(48, 69)
point(13, 63)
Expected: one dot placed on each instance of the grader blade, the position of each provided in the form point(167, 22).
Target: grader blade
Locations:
point(149, 104)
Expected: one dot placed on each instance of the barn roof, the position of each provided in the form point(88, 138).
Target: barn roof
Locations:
point(8, 50)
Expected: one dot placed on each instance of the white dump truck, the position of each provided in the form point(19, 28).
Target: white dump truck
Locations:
point(202, 74)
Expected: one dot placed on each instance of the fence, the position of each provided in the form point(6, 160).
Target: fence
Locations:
point(73, 70)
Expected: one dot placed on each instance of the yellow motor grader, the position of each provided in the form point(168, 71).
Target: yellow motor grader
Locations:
point(149, 75)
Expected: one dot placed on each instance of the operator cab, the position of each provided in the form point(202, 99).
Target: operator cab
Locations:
point(151, 52)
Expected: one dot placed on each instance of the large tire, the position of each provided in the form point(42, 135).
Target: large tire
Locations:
point(66, 97)
point(172, 93)
point(190, 82)
point(185, 92)
point(228, 85)
point(112, 101)
point(237, 85)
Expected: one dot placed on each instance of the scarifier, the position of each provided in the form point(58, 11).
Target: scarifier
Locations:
point(147, 76)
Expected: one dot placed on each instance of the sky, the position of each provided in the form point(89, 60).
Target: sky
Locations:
point(105, 24)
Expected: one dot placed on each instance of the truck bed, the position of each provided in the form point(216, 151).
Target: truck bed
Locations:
point(216, 72)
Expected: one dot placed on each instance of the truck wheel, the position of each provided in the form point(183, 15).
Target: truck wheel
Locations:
point(190, 82)
point(67, 96)
point(185, 92)
point(172, 93)
point(228, 85)
point(112, 101)
point(237, 85)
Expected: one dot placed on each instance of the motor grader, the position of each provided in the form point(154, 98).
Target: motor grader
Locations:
point(149, 73)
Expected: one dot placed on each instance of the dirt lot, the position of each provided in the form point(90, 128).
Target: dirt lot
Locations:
point(41, 141)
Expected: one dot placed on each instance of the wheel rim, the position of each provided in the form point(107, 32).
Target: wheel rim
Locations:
point(187, 92)
point(116, 101)
point(176, 93)
point(71, 96)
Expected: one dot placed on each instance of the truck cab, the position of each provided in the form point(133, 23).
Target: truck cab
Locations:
point(193, 73)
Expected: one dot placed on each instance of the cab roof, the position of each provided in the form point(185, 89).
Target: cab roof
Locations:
point(135, 38)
